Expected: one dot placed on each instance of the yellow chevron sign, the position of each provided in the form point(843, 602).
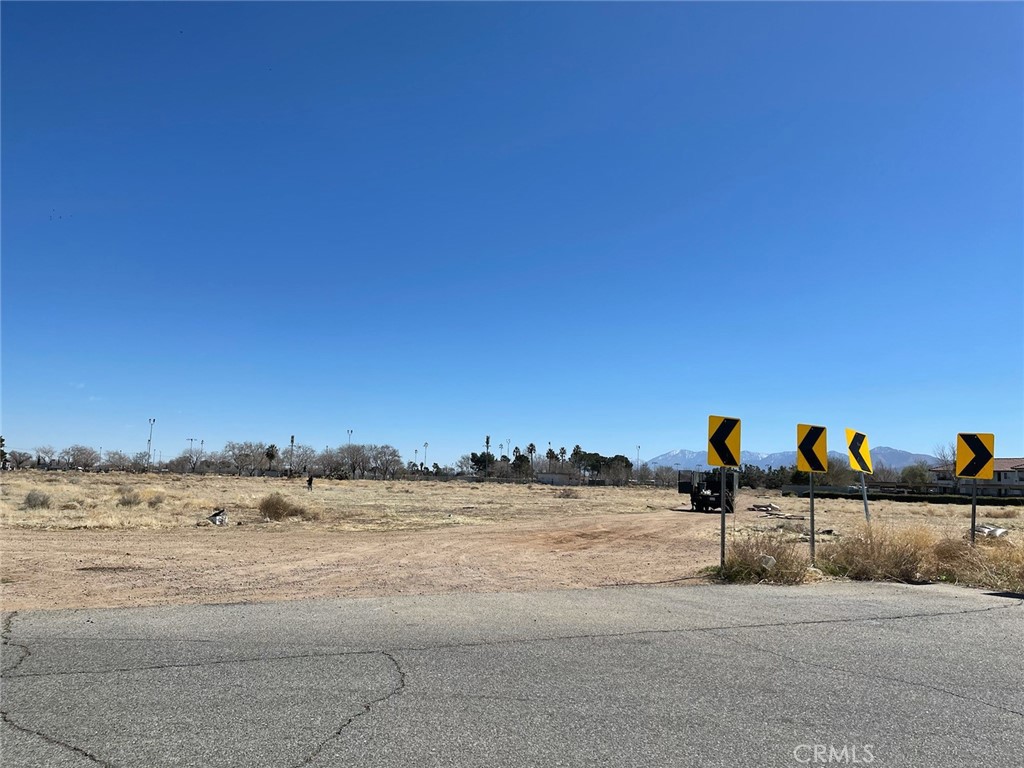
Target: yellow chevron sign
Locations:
point(860, 455)
point(723, 441)
point(975, 455)
point(811, 448)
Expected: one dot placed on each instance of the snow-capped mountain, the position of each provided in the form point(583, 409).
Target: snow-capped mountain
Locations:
point(686, 459)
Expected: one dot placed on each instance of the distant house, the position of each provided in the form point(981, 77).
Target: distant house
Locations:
point(555, 478)
point(1007, 479)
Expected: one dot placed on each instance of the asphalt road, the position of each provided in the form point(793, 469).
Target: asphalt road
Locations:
point(834, 673)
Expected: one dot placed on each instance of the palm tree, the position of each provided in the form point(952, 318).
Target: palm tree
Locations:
point(561, 454)
point(531, 449)
point(516, 452)
point(271, 454)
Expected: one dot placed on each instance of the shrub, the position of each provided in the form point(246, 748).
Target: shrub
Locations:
point(277, 507)
point(747, 559)
point(129, 498)
point(37, 500)
point(568, 493)
point(880, 553)
point(155, 501)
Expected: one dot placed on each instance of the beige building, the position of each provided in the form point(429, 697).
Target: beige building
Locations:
point(1007, 479)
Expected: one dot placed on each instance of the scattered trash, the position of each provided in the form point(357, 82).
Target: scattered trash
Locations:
point(763, 508)
point(991, 531)
point(781, 516)
point(219, 517)
point(767, 562)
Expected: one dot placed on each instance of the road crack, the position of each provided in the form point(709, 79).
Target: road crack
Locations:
point(396, 690)
point(6, 642)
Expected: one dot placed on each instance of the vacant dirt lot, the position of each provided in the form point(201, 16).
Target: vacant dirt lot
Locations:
point(120, 540)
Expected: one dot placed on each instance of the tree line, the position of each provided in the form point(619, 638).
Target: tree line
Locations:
point(360, 461)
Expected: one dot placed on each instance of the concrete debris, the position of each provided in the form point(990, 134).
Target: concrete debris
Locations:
point(219, 517)
point(763, 508)
point(781, 516)
point(767, 562)
point(991, 531)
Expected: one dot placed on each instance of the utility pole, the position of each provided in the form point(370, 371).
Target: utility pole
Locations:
point(149, 445)
point(425, 444)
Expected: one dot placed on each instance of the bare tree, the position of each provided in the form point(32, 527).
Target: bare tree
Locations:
point(246, 457)
point(330, 461)
point(386, 460)
point(119, 460)
point(45, 454)
point(19, 458)
point(302, 457)
point(946, 454)
point(81, 456)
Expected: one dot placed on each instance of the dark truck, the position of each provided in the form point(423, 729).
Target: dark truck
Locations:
point(705, 489)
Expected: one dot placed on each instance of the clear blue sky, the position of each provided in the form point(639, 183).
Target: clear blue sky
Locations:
point(575, 223)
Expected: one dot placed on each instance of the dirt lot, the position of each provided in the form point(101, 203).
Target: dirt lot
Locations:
point(131, 540)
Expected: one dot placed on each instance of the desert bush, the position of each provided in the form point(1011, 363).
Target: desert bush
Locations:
point(995, 514)
point(746, 559)
point(37, 500)
point(568, 493)
point(992, 563)
point(277, 507)
point(155, 501)
point(129, 497)
point(880, 553)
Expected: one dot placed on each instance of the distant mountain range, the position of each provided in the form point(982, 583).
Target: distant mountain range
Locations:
point(890, 457)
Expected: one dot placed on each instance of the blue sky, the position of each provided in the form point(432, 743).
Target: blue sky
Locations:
point(576, 223)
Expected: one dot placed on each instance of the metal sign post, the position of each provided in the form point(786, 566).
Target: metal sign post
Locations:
point(864, 493)
point(812, 518)
point(975, 457)
point(860, 460)
point(722, 559)
point(974, 508)
point(723, 451)
point(811, 457)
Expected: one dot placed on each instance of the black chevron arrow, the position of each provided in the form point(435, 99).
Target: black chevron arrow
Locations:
point(982, 455)
point(718, 439)
point(806, 448)
point(855, 446)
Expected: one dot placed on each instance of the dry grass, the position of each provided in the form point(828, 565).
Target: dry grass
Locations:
point(163, 501)
point(884, 553)
point(880, 552)
point(746, 559)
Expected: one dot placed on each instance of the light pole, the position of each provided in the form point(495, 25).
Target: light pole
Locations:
point(291, 456)
point(638, 461)
point(425, 444)
point(149, 445)
point(416, 456)
point(349, 438)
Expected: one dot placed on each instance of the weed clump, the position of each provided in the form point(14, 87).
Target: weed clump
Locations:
point(37, 500)
point(880, 553)
point(766, 556)
point(276, 507)
point(129, 497)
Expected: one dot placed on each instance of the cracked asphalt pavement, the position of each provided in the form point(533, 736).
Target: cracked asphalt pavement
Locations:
point(840, 673)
